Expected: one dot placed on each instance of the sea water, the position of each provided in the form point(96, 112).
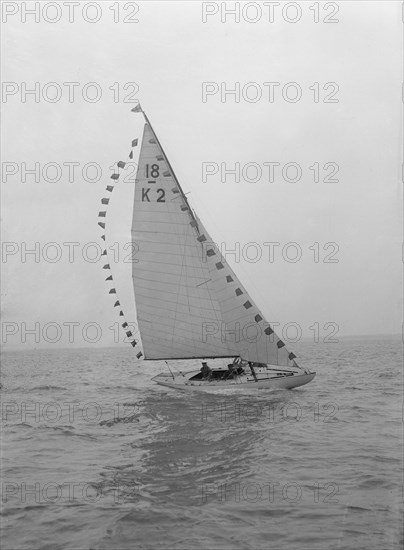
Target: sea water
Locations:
point(96, 456)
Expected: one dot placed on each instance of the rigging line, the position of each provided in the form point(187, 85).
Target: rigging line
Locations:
point(169, 369)
point(204, 282)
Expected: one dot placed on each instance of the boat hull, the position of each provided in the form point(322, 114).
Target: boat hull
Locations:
point(182, 382)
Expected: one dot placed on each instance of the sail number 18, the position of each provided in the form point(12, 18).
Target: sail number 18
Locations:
point(152, 171)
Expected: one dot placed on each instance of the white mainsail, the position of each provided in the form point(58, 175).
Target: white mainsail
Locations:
point(189, 302)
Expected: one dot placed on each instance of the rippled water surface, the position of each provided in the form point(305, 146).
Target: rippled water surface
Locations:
point(95, 456)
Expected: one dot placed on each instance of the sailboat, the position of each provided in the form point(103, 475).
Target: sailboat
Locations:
point(189, 303)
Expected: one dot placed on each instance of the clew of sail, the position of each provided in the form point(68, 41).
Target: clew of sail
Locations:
point(189, 302)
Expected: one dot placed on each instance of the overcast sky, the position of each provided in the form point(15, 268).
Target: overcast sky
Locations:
point(168, 54)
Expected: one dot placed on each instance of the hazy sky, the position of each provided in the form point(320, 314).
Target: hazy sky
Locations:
point(168, 54)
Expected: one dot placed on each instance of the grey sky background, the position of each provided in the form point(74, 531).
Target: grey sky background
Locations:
point(169, 53)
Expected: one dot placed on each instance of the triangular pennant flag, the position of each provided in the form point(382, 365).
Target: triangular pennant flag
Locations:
point(291, 355)
point(104, 201)
point(121, 313)
point(101, 224)
point(115, 177)
point(134, 142)
point(117, 303)
point(139, 355)
point(102, 214)
point(133, 344)
point(109, 278)
point(110, 188)
point(106, 266)
point(137, 109)
point(280, 344)
point(103, 237)
point(112, 291)
point(125, 324)
point(131, 155)
point(104, 253)
point(121, 164)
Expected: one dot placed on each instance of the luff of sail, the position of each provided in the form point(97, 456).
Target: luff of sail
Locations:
point(189, 302)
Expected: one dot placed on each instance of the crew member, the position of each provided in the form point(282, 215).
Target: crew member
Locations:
point(205, 370)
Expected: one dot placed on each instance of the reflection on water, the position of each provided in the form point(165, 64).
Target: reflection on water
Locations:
point(95, 456)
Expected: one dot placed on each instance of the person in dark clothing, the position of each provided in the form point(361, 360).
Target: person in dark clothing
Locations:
point(205, 370)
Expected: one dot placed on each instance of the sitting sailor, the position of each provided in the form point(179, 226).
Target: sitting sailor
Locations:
point(205, 370)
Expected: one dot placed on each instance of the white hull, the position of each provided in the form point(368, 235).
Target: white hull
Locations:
point(182, 382)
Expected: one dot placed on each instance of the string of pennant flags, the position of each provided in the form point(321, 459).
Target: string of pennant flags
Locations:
point(103, 214)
